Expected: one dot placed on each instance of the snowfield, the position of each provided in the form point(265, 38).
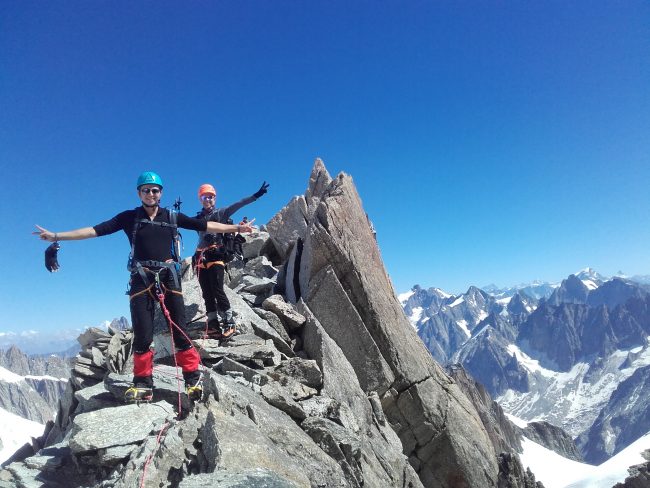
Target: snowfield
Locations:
point(555, 471)
point(15, 431)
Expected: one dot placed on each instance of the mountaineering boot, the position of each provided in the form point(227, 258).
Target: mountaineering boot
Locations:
point(213, 330)
point(142, 388)
point(189, 361)
point(229, 325)
point(138, 393)
point(194, 385)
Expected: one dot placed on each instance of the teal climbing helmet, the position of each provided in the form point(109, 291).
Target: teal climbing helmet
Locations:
point(149, 178)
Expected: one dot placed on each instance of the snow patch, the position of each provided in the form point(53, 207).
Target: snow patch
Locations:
point(517, 421)
point(415, 316)
point(15, 431)
point(9, 376)
point(458, 301)
point(555, 471)
point(462, 323)
point(403, 297)
point(590, 284)
point(45, 377)
point(529, 363)
point(442, 293)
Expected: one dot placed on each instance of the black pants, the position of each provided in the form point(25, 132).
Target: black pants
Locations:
point(143, 303)
point(214, 296)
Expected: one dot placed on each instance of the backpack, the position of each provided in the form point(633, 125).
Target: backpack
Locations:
point(223, 246)
point(227, 242)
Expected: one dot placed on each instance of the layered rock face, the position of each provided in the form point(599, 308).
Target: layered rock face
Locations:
point(339, 262)
point(622, 421)
point(269, 417)
point(504, 434)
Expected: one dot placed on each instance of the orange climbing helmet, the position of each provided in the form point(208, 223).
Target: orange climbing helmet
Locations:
point(205, 189)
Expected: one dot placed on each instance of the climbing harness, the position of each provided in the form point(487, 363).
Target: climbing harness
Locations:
point(200, 259)
point(173, 265)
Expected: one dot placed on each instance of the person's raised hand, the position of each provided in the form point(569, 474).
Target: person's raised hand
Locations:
point(247, 227)
point(45, 234)
point(263, 189)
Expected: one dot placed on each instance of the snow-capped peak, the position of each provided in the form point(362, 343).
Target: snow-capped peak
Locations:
point(441, 293)
point(591, 278)
point(590, 274)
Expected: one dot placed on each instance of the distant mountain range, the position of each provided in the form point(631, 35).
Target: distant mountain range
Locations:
point(30, 388)
point(60, 342)
point(38, 342)
point(575, 353)
point(32, 382)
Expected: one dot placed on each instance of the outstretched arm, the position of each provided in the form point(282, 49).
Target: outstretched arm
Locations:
point(71, 235)
point(218, 227)
point(231, 209)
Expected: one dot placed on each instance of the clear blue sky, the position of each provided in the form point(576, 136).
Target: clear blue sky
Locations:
point(491, 142)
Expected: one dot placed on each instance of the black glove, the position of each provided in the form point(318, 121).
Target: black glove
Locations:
point(51, 262)
point(262, 190)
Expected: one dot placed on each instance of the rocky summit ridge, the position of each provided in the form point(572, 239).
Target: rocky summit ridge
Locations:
point(326, 384)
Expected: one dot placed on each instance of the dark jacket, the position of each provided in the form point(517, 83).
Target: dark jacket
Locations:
point(219, 215)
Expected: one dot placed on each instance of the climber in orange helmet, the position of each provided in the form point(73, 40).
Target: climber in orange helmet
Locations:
point(211, 257)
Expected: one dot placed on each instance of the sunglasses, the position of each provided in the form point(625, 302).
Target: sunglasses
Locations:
point(155, 191)
point(207, 197)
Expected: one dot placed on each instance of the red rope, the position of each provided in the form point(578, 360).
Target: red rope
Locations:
point(198, 261)
point(146, 464)
point(172, 324)
point(161, 300)
point(165, 373)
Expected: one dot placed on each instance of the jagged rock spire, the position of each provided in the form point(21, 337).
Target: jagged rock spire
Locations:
point(319, 180)
point(340, 263)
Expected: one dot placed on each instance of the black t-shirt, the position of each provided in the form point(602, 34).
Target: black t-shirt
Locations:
point(152, 242)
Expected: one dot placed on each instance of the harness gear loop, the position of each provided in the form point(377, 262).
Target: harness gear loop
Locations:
point(144, 267)
point(209, 264)
point(158, 287)
point(147, 289)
